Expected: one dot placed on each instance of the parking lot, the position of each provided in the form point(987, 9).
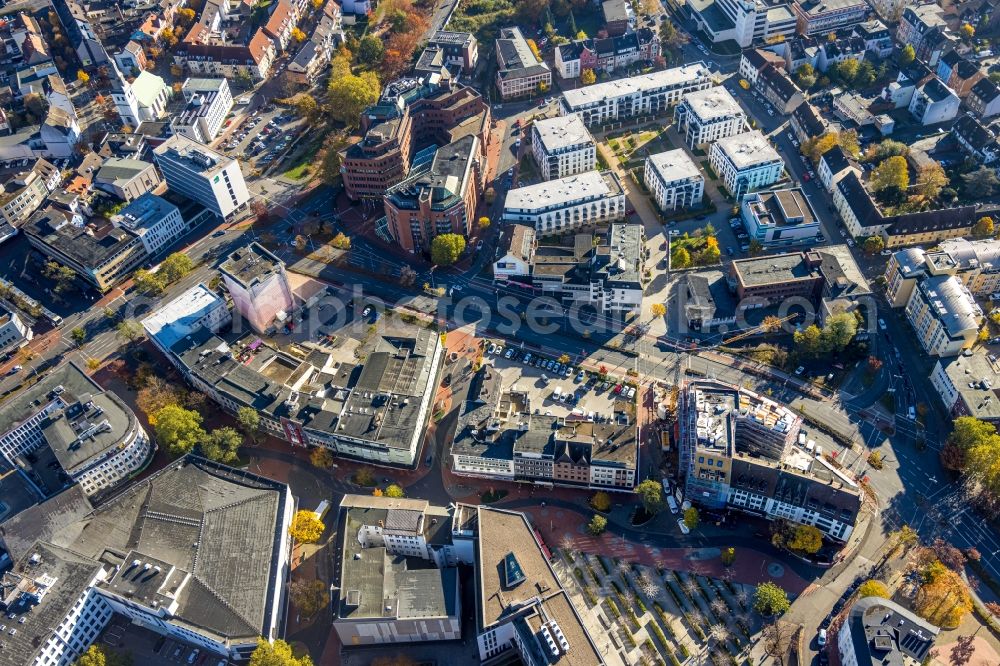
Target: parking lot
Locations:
point(262, 136)
point(557, 389)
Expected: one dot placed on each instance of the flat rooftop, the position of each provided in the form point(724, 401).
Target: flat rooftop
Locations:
point(587, 186)
point(144, 212)
point(712, 104)
point(177, 318)
point(251, 265)
point(977, 380)
point(193, 155)
point(674, 165)
point(748, 149)
point(759, 271)
point(562, 132)
point(643, 84)
point(785, 207)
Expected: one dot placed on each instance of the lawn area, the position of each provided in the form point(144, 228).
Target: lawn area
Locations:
point(303, 165)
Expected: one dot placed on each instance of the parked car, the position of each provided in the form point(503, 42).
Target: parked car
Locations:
point(684, 528)
point(821, 638)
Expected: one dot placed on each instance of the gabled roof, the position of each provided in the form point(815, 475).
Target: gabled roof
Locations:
point(985, 90)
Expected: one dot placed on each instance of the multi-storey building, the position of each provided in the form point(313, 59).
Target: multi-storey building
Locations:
point(497, 435)
point(737, 450)
point(208, 103)
point(203, 175)
point(67, 422)
point(944, 315)
point(744, 21)
point(606, 55)
point(438, 197)
point(923, 27)
point(778, 89)
point(781, 217)
point(958, 73)
point(197, 308)
point(23, 193)
point(644, 95)
point(705, 116)
point(984, 99)
point(126, 178)
point(412, 114)
point(517, 254)
point(754, 61)
point(619, 17)
point(156, 221)
point(881, 631)
point(100, 253)
point(746, 162)
point(221, 593)
point(459, 49)
point(310, 61)
point(570, 203)
point(208, 48)
point(144, 99)
point(519, 72)
point(806, 122)
point(976, 264)
point(674, 180)
point(14, 333)
point(965, 384)
point(257, 282)
point(934, 102)
point(562, 146)
point(820, 17)
point(834, 165)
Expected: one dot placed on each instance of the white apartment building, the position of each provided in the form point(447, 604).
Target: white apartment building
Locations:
point(201, 174)
point(944, 315)
point(976, 264)
point(746, 162)
point(558, 206)
point(208, 103)
point(197, 308)
point(156, 222)
point(14, 333)
point(674, 179)
point(707, 115)
point(562, 146)
point(644, 95)
point(23, 193)
point(744, 21)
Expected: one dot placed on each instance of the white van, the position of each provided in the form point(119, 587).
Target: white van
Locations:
point(672, 503)
point(557, 394)
point(802, 439)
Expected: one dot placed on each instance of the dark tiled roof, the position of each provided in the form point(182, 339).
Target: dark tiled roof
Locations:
point(779, 82)
point(972, 131)
point(864, 208)
point(985, 90)
point(808, 119)
point(836, 159)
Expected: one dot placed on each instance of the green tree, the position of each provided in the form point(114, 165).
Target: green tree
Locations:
point(484, 222)
point(601, 501)
point(806, 76)
point(809, 342)
point(981, 182)
point(321, 457)
point(175, 266)
point(278, 653)
point(865, 75)
point(94, 656)
point(680, 258)
point(222, 445)
point(891, 173)
point(873, 244)
point(984, 227)
point(392, 490)
point(691, 517)
point(728, 556)
point(350, 94)
point(838, 332)
point(887, 148)
point(769, 599)
point(130, 330)
point(967, 31)
point(148, 283)
point(755, 247)
point(651, 494)
point(805, 539)
point(248, 419)
point(446, 249)
point(178, 429)
point(63, 276)
point(597, 524)
point(907, 55)
point(371, 50)
point(78, 335)
point(847, 70)
point(306, 107)
point(873, 588)
point(931, 180)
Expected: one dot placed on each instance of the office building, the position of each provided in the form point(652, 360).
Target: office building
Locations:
point(257, 282)
point(67, 429)
point(154, 220)
point(197, 308)
point(203, 175)
point(738, 450)
point(99, 252)
point(208, 103)
point(437, 197)
point(880, 631)
point(746, 162)
point(744, 21)
point(821, 17)
point(644, 95)
point(944, 315)
point(562, 146)
point(777, 218)
point(221, 592)
point(707, 115)
point(519, 72)
point(674, 180)
point(570, 203)
point(397, 581)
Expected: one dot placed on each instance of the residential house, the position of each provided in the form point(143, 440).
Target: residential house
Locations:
point(567, 204)
point(779, 89)
point(976, 140)
point(746, 162)
point(606, 55)
point(934, 102)
point(984, 98)
point(958, 73)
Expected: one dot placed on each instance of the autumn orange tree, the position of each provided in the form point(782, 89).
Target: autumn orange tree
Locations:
point(942, 598)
